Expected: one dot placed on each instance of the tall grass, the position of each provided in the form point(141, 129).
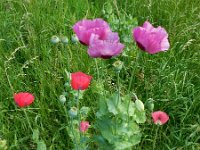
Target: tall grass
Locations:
point(29, 62)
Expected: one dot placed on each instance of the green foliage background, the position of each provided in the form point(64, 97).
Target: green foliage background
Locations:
point(33, 64)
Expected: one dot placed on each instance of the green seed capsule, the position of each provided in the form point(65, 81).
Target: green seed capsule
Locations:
point(64, 40)
point(118, 65)
point(74, 39)
point(55, 39)
point(62, 99)
point(73, 112)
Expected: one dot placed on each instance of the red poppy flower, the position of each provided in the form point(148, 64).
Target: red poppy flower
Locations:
point(84, 125)
point(160, 117)
point(23, 99)
point(80, 81)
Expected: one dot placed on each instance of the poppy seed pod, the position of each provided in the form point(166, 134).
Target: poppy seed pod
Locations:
point(74, 39)
point(64, 40)
point(55, 39)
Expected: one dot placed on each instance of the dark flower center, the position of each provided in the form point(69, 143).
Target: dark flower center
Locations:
point(106, 57)
point(83, 43)
point(140, 46)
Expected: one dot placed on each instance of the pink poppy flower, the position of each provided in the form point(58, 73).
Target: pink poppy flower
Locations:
point(84, 125)
point(105, 48)
point(150, 39)
point(80, 81)
point(23, 99)
point(160, 117)
point(85, 28)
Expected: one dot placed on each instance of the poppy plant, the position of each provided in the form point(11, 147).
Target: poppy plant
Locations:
point(150, 39)
point(160, 117)
point(84, 125)
point(80, 81)
point(23, 99)
point(85, 28)
point(105, 48)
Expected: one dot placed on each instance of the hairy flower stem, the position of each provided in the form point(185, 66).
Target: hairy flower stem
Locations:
point(27, 118)
point(118, 98)
point(75, 139)
point(77, 105)
point(133, 70)
point(97, 68)
point(154, 142)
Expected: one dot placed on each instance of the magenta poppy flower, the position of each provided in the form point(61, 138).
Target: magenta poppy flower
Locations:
point(84, 125)
point(80, 81)
point(85, 28)
point(160, 117)
point(23, 99)
point(150, 39)
point(105, 48)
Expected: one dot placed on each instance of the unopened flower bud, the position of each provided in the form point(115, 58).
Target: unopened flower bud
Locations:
point(64, 40)
point(73, 112)
point(74, 39)
point(3, 144)
point(150, 104)
point(55, 39)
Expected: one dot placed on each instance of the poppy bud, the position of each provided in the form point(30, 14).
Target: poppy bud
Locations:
point(3, 144)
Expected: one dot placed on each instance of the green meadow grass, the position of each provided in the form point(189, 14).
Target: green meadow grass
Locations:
point(30, 62)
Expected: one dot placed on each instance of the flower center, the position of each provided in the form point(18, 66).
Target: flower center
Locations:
point(140, 46)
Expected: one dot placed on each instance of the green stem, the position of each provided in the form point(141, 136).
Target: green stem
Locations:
point(97, 68)
point(27, 118)
point(154, 142)
point(132, 74)
point(118, 86)
point(77, 105)
point(75, 139)
point(118, 99)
